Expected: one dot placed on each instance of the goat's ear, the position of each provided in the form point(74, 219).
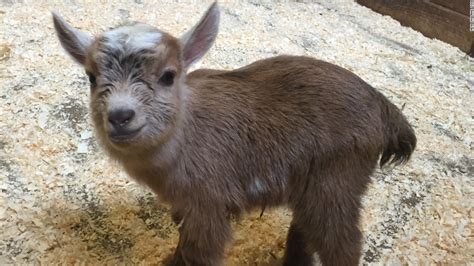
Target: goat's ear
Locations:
point(197, 41)
point(74, 41)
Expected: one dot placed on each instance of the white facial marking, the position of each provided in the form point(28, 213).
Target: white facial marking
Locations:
point(139, 36)
point(121, 101)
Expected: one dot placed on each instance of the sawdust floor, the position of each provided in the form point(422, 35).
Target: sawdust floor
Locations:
point(63, 201)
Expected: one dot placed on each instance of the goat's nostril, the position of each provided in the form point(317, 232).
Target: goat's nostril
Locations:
point(121, 117)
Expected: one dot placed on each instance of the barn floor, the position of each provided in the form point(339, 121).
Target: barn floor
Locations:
point(63, 201)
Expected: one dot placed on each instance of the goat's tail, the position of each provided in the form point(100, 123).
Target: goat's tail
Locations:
point(399, 136)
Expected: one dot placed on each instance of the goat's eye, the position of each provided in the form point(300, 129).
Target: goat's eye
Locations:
point(91, 78)
point(167, 78)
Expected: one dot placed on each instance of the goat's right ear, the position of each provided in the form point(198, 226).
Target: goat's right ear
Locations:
point(74, 41)
point(197, 41)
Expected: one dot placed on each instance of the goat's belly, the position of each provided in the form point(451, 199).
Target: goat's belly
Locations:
point(261, 194)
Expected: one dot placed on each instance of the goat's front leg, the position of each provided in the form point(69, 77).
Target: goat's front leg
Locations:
point(176, 216)
point(203, 237)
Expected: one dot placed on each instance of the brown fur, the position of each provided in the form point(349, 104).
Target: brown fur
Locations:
point(287, 130)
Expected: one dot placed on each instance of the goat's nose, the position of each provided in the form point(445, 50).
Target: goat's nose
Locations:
point(121, 117)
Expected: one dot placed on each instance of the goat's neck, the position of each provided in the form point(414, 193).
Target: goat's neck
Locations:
point(170, 150)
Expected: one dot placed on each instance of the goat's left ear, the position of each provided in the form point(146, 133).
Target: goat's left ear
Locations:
point(74, 41)
point(197, 41)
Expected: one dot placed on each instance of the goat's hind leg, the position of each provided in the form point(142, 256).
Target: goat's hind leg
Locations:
point(328, 218)
point(297, 252)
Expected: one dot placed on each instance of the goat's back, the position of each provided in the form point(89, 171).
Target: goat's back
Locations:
point(288, 97)
point(257, 126)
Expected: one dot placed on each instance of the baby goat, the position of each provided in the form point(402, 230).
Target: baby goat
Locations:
point(288, 130)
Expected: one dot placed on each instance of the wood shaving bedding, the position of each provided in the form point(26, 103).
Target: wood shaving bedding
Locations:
point(63, 201)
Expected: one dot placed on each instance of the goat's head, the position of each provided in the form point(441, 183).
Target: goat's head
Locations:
point(137, 76)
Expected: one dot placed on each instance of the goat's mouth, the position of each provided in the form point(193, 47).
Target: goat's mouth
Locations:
point(123, 135)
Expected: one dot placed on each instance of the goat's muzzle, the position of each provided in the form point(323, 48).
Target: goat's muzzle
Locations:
point(120, 124)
